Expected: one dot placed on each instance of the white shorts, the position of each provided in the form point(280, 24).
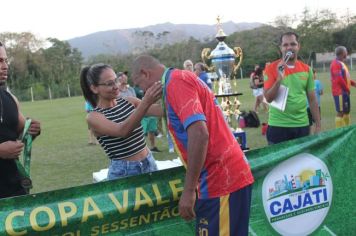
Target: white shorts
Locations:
point(257, 92)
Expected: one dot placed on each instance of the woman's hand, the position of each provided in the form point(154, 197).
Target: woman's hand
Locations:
point(153, 93)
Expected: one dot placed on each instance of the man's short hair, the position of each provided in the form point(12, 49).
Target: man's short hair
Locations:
point(187, 62)
point(201, 66)
point(289, 33)
point(339, 50)
point(143, 61)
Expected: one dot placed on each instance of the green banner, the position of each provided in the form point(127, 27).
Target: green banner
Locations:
point(302, 187)
point(305, 186)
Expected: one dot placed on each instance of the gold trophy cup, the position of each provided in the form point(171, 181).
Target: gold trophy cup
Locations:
point(223, 61)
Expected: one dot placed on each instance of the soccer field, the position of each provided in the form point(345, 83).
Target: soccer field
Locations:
point(62, 158)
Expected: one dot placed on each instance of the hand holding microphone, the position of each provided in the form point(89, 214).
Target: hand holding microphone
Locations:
point(285, 60)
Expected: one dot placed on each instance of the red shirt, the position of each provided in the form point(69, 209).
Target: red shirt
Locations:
point(340, 78)
point(188, 99)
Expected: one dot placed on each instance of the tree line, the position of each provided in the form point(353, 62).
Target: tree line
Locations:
point(54, 64)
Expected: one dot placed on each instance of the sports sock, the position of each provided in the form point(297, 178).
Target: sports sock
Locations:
point(346, 119)
point(339, 122)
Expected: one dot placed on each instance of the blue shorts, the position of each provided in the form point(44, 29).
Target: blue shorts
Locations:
point(226, 215)
point(277, 134)
point(342, 103)
point(122, 168)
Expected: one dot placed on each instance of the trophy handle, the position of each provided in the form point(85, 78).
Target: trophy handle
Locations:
point(238, 53)
point(205, 57)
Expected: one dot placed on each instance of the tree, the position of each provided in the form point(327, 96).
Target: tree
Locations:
point(315, 31)
point(259, 45)
point(346, 37)
point(285, 21)
point(21, 49)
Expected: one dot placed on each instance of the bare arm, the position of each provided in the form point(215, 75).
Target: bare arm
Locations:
point(353, 83)
point(198, 139)
point(100, 125)
point(12, 149)
point(35, 127)
point(271, 93)
point(21, 117)
point(314, 109)
point(155, 110)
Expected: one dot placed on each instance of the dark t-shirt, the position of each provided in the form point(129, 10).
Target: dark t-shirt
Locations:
point(257, 80)
point(9, 175)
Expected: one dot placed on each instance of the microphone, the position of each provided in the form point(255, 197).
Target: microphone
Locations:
point(287, 56)
point(285, 60)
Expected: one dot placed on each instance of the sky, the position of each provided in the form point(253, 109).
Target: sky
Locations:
point(66, 19)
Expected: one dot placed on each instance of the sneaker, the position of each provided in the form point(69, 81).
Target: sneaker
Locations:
point(171, 150)
point(159, 135)
point(155, 149)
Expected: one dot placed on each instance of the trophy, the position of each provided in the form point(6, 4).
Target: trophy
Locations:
point(223, 60)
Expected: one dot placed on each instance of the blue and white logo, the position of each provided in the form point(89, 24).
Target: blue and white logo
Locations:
point(297, 195)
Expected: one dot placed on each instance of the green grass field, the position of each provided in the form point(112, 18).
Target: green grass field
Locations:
point(62, 158)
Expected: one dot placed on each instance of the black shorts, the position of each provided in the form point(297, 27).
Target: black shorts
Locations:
point(10, 180)
point(277, 134)
point(11, 189)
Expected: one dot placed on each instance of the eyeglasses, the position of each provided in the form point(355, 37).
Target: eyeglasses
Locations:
point(110, 83)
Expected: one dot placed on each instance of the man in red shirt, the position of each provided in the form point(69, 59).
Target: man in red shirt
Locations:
point(217, 169)
point(340, 86)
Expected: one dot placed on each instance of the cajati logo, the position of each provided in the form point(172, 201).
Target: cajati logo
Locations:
point(297, 195)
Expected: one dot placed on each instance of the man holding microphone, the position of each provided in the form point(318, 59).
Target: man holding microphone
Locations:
point(296, 78)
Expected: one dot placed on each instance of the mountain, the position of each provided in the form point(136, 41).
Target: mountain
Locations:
point(140, 39)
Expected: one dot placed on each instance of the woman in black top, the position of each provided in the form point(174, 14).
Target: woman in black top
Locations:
point(116, 121)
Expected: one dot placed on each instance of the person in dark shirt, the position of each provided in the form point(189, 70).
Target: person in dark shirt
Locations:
point(200, 71)
point(12, 123)
point(257, 88)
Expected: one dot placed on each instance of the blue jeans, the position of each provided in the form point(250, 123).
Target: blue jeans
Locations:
point(122, 168)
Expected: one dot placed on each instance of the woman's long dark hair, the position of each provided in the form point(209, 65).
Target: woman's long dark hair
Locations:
point(90, 75)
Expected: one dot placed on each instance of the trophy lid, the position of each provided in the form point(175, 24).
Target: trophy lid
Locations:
point(220, 36)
